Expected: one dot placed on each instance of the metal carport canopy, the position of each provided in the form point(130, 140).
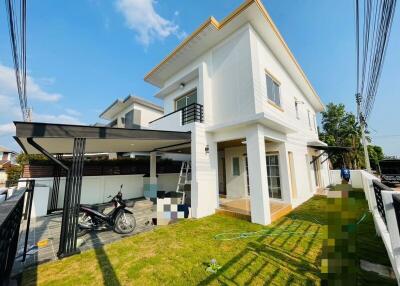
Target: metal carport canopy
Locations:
point(59, 138)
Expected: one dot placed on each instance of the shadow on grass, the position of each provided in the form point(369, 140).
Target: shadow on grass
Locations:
point(260, 254)
point(106, 268)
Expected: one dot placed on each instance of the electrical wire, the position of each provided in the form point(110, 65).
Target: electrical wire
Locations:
point(378, 15)
point(18, 47)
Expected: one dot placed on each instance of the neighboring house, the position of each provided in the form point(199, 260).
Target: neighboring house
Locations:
point(135, 112)
point(251, 111)
point(7, 159)
point(132, 112)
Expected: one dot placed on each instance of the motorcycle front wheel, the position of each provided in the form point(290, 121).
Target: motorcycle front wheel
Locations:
point(124, 223)
point(83, 219)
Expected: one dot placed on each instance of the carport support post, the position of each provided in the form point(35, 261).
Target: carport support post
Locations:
point(259, 196)
point(72, 200)
point(153, 172)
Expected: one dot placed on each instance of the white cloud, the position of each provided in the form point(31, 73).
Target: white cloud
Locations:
point(61, 118)
point(72, 112)
point(141, 17)
point(10, 109)
point(7, 129)
point(8, 86)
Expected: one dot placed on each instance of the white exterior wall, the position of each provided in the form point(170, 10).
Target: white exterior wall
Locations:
point(96, 189)
point(232, 83)
point(147, 114)
point(263, 59)
point(204, 187)
point(356, 179)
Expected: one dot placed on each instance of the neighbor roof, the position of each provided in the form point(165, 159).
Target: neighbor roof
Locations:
point(119, 105)
point(4, 149)
point(211, 32)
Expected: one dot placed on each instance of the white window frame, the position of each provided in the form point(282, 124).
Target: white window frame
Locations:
point(186, 97)
point(270, 191)
point(275, 99)
point(309, 119)
point(296, 107)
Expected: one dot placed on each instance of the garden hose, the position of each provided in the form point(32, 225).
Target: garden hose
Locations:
point(276, 231)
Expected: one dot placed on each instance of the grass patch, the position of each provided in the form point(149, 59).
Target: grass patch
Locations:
point(178, 254)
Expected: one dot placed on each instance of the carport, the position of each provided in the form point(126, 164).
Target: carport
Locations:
point(52, 140)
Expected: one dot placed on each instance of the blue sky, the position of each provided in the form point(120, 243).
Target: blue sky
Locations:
point(83, 54)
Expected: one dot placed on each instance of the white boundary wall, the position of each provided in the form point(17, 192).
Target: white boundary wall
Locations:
point(388, 232)
point(96, 189)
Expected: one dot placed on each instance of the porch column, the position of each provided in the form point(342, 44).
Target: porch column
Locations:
point(153, 175)
point(284, 173)
point(259, 197)
point(204, 185)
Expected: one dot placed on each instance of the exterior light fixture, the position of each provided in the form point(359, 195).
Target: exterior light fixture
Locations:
point(182, 85)
point(207, 149)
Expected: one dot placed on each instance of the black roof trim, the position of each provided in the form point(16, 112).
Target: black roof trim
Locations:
point(330, 148)
point(53, 130)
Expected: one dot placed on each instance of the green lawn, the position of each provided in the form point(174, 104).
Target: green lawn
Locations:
point(287, 254)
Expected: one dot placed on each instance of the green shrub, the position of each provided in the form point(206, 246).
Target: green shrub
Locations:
point(13, 174)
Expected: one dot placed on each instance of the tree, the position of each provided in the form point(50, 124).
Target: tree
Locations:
point(375, 155)
point(340, 128)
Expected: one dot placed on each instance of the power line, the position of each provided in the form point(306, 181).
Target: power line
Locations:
point(382, 17)
point(18, 48)
point(379, 14)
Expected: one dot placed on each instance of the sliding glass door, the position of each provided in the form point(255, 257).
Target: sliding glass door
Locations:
point(274, 180)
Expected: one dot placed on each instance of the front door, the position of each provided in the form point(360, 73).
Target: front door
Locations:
point(274, 180)
point(316, 168)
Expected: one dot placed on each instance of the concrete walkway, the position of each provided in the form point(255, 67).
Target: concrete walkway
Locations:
point(45, 233)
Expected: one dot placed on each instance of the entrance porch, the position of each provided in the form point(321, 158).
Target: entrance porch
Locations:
point(254, 177)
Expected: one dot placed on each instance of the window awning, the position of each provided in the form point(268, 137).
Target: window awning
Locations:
point(330, 148)
point(59, 138)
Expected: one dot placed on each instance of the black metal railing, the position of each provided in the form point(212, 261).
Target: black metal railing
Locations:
point(191, 113)
point(396, 207)
point(378, 188)
point(11, 214)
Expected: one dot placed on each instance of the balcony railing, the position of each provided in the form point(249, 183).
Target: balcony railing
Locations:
point(191, 113)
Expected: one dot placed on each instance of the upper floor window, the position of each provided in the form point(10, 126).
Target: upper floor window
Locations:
point(128, 119)
point(273, 89)
point(187, 99)
point(309, 119)
point(315, 122)
point(296, 106)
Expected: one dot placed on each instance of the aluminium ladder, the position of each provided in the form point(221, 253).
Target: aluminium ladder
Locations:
point(184, 178)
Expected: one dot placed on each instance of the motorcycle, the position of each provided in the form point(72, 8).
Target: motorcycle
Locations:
point(118, 219)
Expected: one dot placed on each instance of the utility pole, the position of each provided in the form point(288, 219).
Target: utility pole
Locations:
point(361, 121)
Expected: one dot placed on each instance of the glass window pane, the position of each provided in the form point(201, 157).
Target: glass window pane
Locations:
point(276, 94)
point(192, 97)
point(274, 182)
point(270, 93)
point(235, 166)
point(181, 103)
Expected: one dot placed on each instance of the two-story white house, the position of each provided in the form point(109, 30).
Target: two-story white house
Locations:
point(236, 86)
point(236, 101)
